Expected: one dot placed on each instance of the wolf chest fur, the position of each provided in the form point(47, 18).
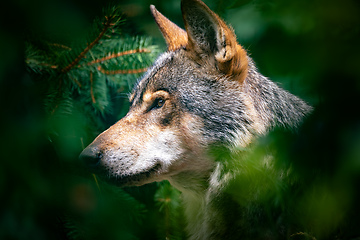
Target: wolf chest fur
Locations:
point(205, 91)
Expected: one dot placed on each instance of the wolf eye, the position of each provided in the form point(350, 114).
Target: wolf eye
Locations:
point(158, 103)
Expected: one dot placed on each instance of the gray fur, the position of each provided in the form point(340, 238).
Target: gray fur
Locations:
point(203, 108)
point(219, 102)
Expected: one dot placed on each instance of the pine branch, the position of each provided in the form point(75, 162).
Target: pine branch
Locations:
point(44, 64)
point(58, 45)
point(91, 88)
point(119, 54)
point(86, 75)
point(121, 71)
point(80, 84)
point(76, 81)
point(109, 23)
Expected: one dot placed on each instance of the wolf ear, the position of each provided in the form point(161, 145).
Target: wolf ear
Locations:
point(175, 36)
point(208, 35)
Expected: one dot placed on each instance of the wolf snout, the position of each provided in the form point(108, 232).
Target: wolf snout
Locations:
point(90, 157)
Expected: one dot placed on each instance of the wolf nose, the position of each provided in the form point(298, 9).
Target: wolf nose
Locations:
point(91, 157)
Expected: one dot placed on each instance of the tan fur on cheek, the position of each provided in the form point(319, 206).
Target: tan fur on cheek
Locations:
point(190, 128)
point(192, 141)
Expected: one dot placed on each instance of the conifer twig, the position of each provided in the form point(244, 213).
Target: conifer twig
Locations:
point(58, 94)
point(60, 46)
point(76, 81)
point(107, 25)
point(303, 234)
point(119, 54)
point(28, 60)
point(96, 181)
point(121, 71)
point(91, 88)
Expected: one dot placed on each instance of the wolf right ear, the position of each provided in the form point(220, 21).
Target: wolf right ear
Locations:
point(175, 36)
point(209, 36)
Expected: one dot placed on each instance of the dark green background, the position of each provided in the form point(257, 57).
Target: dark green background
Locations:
point(311, 48)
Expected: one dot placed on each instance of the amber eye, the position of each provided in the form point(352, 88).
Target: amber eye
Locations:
point(158, 103)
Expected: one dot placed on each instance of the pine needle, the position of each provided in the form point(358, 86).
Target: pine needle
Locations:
point(96, 181)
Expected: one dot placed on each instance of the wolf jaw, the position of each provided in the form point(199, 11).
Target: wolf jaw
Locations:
point(203, 92)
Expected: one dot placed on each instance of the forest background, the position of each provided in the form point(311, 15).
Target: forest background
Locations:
point(51, 111)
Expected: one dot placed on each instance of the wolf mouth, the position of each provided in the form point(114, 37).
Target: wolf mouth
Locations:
point(136, 178)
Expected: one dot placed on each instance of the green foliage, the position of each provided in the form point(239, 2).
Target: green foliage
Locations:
point(104, 214)
point(77, 86)
point(171, 224)
point(86, 72)
point(73, 87)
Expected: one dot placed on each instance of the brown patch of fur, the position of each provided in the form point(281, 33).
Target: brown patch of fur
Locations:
point(235, 66)
point(175, 37)
point(150, 96)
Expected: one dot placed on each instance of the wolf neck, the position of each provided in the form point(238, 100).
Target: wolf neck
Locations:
point(205, 216)
point(210, 211)
point(195, 212)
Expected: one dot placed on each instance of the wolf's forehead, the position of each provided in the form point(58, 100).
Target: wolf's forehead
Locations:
point(144, 83)
point(160, 62)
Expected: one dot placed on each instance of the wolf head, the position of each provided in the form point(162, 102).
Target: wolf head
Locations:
point(198, 94)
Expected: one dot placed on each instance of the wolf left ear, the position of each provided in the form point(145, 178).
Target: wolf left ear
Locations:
point(208, 35)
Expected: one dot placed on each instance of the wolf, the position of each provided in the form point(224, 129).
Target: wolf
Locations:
point(204, 91)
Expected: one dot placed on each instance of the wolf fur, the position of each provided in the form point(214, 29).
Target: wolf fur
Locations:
point(204, 91)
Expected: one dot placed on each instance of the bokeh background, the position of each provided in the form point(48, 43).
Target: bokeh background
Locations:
point(311, 48)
